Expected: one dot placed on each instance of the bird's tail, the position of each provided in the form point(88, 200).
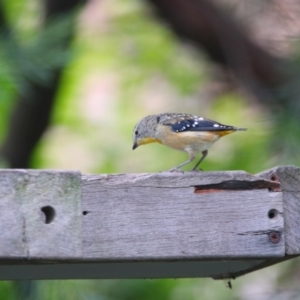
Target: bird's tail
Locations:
point(233, 129)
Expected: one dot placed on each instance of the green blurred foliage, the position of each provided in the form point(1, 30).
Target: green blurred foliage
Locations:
point(130, 67)
point(126, 65)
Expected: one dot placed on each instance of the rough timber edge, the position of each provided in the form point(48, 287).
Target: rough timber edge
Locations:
point(289, 179)
point(178, 179)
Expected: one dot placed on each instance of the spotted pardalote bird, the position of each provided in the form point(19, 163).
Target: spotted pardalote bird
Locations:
point(180, 131)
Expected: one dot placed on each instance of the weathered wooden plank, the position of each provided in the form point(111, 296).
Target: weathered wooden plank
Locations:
point(171, 216)
point(40, 212)
point(289, 179)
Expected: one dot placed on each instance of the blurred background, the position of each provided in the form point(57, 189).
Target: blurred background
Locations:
point(76, 76)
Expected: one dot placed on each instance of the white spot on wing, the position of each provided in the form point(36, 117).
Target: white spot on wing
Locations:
point(217, 125)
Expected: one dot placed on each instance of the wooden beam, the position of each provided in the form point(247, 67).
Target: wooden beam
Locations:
point(61, 225)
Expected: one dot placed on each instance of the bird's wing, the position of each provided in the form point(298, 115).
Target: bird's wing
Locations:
point(187, 122)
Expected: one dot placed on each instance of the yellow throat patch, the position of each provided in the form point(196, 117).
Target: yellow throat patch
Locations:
point(148, 140)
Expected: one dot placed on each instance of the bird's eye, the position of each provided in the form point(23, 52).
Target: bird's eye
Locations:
point(136, 132)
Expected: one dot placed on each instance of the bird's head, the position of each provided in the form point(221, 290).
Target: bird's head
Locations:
point(144, 131)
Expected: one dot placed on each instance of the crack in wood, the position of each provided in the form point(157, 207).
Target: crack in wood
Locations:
point(260, 232)
point(24, 239)
point(238, 185)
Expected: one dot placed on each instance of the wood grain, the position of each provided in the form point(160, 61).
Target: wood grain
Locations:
point(289, 179)
point(25, 233)
point(159, 216)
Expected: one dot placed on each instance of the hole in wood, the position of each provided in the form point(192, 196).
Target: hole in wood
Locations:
point(85, 212)
point(272, 213)
point(274, 177)
point(49, 214)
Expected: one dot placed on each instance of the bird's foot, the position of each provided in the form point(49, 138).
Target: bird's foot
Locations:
point(197, 170)
point(176, 170)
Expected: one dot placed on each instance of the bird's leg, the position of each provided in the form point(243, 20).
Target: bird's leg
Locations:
point(192, 157)
point(204, 154)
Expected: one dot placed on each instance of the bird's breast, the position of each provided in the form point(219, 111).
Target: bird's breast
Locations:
point(196, 141)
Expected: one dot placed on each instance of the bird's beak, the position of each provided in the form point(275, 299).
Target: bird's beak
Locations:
point(135, 145)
